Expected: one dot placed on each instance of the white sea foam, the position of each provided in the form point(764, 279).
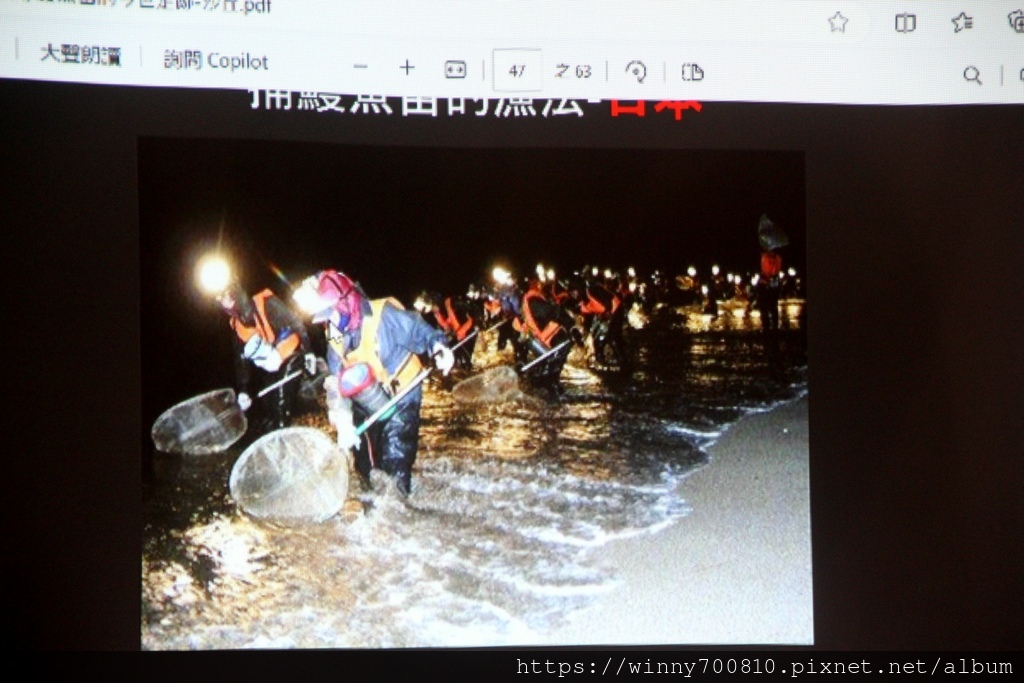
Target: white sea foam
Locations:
point(701, 434)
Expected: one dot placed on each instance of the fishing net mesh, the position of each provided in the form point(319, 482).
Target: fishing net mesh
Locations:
point(291, 474)
point(492, 386)
point(209, 423)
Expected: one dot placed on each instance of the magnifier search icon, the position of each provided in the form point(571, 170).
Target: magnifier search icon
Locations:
point(972, 75)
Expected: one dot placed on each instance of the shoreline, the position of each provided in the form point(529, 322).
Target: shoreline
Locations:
point(737, 569)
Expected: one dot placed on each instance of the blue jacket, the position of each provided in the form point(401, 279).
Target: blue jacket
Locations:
point(400, 332)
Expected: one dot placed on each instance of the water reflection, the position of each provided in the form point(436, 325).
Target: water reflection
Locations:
point(736, 316)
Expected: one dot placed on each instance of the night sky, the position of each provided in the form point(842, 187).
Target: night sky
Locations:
point(400, 220)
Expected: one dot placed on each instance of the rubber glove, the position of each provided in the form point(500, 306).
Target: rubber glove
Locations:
point(347, 437)
point(341, 417)
point(270, 362)
point(444, 359)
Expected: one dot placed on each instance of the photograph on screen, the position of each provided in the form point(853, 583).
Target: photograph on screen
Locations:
point(406, 397)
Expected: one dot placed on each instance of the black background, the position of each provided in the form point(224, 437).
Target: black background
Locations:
point(915, 239)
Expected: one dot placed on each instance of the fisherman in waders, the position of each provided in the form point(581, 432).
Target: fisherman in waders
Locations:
point(455, 317)
point(544, 326)
point(509, 309)
point(604, 317)
point(270, 336)
point(374, 349)
point(768, 289)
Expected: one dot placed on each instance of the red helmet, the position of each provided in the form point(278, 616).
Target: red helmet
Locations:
point(341, 298)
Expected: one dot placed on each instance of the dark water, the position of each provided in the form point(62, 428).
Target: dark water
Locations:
point(508, 500)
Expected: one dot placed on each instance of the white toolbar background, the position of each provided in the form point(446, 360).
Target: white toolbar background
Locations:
point(733, 50)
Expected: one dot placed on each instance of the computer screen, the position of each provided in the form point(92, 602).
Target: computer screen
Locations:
point(517, 325)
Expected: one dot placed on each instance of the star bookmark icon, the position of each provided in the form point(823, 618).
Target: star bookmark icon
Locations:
point(962, 22)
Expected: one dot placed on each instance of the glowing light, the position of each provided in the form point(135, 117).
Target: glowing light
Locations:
point(213, 274)
point(632, 286)
point(551, 273)
point(594, 271)
point(792, 272)
point(704, 290)
point(307, 298)
point(632, 271)
point(691, 271)
point(501, 276)
point(608, 273)
point(714, 270)
point(754, 280)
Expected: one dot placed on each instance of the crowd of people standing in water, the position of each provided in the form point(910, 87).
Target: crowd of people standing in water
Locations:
point(378, 352)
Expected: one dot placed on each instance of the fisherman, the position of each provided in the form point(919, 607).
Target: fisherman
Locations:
point(604, 316)
point(491, 307)
point(509, 309)
point(374, 349)
point(545, 326)
point(709, 293)
point(269, 335)
point(768, 287)
point(455, 317)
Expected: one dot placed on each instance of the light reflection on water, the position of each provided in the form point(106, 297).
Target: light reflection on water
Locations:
point(491, 548)
point(735, 315)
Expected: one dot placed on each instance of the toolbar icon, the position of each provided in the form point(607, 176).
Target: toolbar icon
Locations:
point(1016, 18)
point(962, 22)
point(972, 75)
point(906, 23)
point(837, 22)
point(637, 69)
point(454, 68)
point(692, 72)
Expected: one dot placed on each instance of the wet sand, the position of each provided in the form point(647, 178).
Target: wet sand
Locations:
point(737, 569)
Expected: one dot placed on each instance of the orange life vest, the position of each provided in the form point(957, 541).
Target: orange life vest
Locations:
point(261, 326)
point(549, 330)
point(368, 351)
point(442, 320)
point(593, 306)
point(453, 321)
